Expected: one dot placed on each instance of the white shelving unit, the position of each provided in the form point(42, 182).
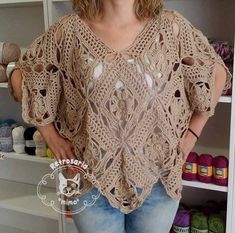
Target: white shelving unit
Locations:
point(27, 20)
point(21, 210)
point(218, 136)
point(20, 206)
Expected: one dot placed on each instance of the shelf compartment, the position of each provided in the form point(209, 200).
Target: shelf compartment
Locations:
point(7, 229)
point(197, 184)
point(30, 168)
point(23, 198)
point(18, 222)
point(25, 22)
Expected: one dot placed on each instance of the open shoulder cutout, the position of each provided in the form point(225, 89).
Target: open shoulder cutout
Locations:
point(170, 15)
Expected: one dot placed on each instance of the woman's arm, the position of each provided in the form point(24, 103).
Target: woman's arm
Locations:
point(61, 147)
point(198, 120)
point(15, 83)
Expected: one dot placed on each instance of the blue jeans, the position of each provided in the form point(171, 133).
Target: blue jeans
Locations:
point(155, 215)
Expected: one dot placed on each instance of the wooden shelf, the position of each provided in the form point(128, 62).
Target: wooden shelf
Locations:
point(13, 155)
point(197, 184)
point(23, 198)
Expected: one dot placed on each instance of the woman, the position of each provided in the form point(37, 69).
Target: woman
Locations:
point(126, 86)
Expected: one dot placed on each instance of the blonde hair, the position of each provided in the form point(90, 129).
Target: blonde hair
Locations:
point(90, 9)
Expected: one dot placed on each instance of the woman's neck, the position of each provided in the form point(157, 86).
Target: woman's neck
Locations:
point(118, 12)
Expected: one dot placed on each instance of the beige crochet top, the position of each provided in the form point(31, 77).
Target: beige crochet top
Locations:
point(127, 111)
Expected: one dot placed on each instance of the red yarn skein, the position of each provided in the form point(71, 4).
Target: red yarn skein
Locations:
point(220, 170)
point(190, 167)
point(205, 168)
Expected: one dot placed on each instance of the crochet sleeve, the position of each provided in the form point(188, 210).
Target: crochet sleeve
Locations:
point(41, 72)
point(198, 59)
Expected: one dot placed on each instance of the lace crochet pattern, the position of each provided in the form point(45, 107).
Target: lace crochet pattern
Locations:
point(125, 112)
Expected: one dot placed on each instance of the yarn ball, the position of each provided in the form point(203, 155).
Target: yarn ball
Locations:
point(205, 168)
point(9, 52)
point(220, 171)
point(190, 167)
point(41, 146)
point(216, 223)
point(224, 50)
point(6, 138)
point(18, 139)
point(199, 221)
point(3, 74)
point(30, 146)
point(50, 154)
point(182, 221)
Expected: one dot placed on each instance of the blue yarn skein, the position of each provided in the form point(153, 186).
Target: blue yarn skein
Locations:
point(6, 141)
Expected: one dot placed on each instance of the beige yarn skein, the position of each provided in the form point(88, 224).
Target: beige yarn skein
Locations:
point(9, 52)
point(41, 147)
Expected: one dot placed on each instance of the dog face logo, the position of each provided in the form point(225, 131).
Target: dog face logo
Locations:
point(69, 187)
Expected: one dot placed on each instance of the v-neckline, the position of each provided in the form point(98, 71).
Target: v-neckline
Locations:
point(137, 38)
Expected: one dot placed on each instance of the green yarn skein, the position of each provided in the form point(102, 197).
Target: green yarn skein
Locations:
point(199, 221)
point(216, 223)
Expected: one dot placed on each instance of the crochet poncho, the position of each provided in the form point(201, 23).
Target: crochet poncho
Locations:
point(124, 111)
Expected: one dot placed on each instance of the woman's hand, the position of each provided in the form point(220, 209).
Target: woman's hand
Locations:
point(187, 144)
point(61, 147)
